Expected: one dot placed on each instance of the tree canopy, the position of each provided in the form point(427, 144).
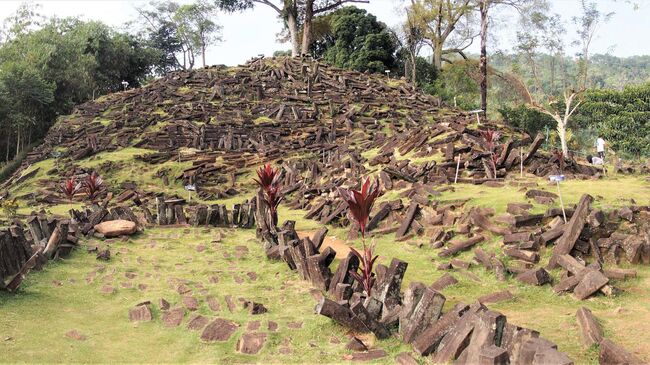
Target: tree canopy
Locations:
point(352, 38)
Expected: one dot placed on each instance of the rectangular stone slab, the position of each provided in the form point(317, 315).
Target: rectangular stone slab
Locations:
point(589, 328)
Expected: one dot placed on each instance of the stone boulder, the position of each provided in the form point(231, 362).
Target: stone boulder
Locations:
point(116, 228)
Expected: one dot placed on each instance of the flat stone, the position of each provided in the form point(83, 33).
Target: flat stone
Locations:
point(75, 335)
point(404, 358)
point(253, 326)
point(373, 354)
point(272, 326)
point(107, 289)
point(200, 248)
point(190, 303)
point(213, 303)
point(141, 313)
point(537, 276)
point(163, 304)
point(590, 284)
point(116, 228)
point(251, 275)
point(251, 343)
point(496, 297)
point(183, 289)
point(213, 279)
point(294, 325)
point(173, 317)
point(356, 344)
point(444, 281)
point(219, 330)
point(197, 322)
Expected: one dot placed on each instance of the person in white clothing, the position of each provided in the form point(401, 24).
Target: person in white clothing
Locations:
point(600, 147)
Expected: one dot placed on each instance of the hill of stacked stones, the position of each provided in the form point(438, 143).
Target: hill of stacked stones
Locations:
point(327, 128)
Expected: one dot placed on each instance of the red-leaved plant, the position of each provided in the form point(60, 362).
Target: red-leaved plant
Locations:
point(70, 187)
point(269, 181)
point(491, 137)
point(93, 185)
point(360, 203)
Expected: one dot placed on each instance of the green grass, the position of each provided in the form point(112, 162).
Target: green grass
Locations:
point(59, 299)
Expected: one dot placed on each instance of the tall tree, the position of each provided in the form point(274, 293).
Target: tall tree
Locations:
point(542, 99)
point(483, 7)
point(195, 23)
point(189, 28)
point(297, 16)
point(411, 38)
point(287, 10)
point(355, 39)
point(446, 24)
point(312, 8)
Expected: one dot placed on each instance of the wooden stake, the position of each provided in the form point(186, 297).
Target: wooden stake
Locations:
point(521, 161)
point(561, 202)
point(457, 168)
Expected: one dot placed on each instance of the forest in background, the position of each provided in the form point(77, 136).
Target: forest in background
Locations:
point(48, 65)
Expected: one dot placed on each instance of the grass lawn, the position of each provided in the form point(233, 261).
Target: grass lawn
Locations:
point(68, 295)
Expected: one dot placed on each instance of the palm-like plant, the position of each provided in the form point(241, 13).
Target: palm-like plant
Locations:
point(491, 137)
point(70, 187)
point(360, 204)
point(269, 181)
point(93, 185)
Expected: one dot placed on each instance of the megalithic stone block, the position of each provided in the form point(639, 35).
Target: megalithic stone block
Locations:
point(342, 273)
point(389, 290)
point(426, 312)
point(590, 330)
point(488, 331)
point(427, 342)
point(572, 231)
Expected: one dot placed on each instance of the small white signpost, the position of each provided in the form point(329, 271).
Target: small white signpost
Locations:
point(478, 115)
point(190, 188)
point(125, 84)
point(556, 179)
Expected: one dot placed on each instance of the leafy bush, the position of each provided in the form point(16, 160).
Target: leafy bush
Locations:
point(9, 207)
point(529, 120)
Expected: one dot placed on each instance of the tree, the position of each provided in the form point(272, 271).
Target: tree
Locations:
point(411, 39)
point(182, 32)
point(287, 10)
point(313, 8)
point(355, 40)
point(295, 14)
point(194, 22)
point(446, 25)
point(547, 101)
point(45, 72)
point(483, 7)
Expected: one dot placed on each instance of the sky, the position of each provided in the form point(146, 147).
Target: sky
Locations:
point(254, 32)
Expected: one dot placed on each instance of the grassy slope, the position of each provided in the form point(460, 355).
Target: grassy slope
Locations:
point(111, 337)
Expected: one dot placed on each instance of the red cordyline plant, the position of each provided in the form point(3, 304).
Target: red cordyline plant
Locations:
point(93, 185)
point(269, 181)
point(360, 203)
point(491, 138)
point(70, 187)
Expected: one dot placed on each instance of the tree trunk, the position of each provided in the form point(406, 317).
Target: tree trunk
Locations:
point(292, 24)
point(306, 28)
point(561, 132)
point(8, 142)
point(483, 5)
point(437, 56)
point(414, 79)
point(203, 53)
